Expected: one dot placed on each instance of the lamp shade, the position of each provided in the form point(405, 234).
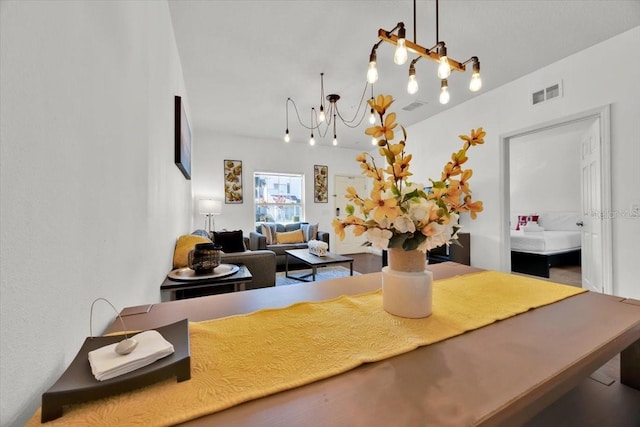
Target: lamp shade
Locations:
point(209, 207)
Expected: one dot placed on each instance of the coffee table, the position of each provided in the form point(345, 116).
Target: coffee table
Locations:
point(314, 261)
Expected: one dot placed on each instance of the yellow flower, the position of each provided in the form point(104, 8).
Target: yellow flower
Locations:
point(477, 137)
point(473, 207)
point(382, 208)
point(399, 213)
point(339, 227)
point(386, 130)
point(400, 168)
point(381, 103)
point(464, 184)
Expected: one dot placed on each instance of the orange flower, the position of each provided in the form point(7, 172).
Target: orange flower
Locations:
point(381, 103)
point(473, 207)
point(460, 157)
point(477, 137)
point(339, 227)
point(382, 208)
point(386, 130)
point(464, 184)
point(400, 168)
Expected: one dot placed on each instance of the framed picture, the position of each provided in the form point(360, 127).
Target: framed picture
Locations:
point(182, 139)
point(320, 178)
point(233, 181)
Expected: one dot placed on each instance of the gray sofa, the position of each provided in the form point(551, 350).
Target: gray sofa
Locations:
point(260, 263)
point(258, 241)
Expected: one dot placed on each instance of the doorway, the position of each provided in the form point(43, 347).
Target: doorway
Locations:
point(350, 244)
point(592, 190)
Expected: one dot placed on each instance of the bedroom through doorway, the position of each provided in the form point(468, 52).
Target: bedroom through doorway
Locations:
point(555, 181)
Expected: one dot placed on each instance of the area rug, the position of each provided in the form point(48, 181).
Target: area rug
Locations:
point(324, 273)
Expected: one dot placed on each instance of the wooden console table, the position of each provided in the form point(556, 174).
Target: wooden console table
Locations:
point(502, 374)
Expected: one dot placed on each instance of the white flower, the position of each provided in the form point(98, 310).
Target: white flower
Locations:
point(404, 224)
point(379, 238)
point(419, 210)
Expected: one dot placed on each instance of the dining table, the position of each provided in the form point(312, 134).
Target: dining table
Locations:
point(500, 374)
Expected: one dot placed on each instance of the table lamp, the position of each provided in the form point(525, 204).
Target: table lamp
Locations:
point(209, 208)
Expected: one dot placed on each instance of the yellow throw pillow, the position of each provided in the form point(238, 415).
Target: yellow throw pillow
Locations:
point(295, 236)
point(183, 246)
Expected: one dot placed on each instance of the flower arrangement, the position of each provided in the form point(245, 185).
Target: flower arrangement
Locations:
point(402, 214)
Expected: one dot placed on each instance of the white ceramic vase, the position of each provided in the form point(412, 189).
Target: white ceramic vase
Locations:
point(407, 284)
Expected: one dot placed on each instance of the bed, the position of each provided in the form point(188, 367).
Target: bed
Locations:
point(554, 240)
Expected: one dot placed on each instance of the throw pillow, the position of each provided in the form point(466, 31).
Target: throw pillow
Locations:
point(309, 231)
point(290, 237)
point(269, 231)
point(183, 247)
point(231, 241)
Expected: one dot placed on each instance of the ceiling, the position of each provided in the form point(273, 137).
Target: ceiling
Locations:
point(242, 59)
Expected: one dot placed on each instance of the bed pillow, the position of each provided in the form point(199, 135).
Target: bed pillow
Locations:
point(183, 246)
point(290, 237)
point(231, 241)
point(560, 221)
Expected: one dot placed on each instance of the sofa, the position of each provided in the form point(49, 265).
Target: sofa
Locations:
point(279, 237)
point(260, 263)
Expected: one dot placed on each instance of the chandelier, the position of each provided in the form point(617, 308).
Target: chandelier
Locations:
point(327, 115)
point(437, 53)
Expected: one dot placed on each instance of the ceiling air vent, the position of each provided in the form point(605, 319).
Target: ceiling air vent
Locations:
point(413, 106)
point(546, 94)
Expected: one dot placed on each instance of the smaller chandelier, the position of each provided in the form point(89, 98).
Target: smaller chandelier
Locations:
point(437, 53)
point(323, 119)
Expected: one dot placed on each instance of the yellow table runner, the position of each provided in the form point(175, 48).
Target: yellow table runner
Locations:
point(240, 358)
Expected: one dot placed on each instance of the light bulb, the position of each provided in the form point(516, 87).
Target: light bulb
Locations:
point(476, 83)
point(287, 138)
point(400, 57)
point(321, 116)
point(372, 72)
point(335, 140)
point(412, 86)
point(372, 117)
point(444, 69)
point(444, 95)
point(312, 141)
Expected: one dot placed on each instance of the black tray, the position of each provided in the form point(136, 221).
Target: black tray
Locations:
point(78, 385)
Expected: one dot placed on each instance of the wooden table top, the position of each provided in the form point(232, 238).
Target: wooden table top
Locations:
point(502, 374)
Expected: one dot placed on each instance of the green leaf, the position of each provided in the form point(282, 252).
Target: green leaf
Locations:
point(397, 240)
point(414, 242)
point(350, 209)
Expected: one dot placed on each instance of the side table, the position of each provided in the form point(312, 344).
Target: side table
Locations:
point(181, 289)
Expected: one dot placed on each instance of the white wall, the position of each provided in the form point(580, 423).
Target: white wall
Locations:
point(588, 84)
point(545, 172)
point(264, 156)
point(91, 199)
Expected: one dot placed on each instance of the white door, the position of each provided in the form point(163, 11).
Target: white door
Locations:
point(592, 209)
point(351, 244)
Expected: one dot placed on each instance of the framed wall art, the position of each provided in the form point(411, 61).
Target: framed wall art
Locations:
point(320, 183)
point(182, 139)
point(233, 181)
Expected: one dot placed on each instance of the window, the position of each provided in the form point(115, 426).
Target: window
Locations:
point(278, 197)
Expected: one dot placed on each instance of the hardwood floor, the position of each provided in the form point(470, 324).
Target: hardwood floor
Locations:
point(598, 401)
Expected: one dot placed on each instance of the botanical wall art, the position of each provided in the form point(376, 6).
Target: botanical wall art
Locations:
point(233, 181)
point(320, 177)
point(182, 137)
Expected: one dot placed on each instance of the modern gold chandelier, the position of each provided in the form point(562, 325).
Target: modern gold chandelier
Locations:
point(437, 53)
